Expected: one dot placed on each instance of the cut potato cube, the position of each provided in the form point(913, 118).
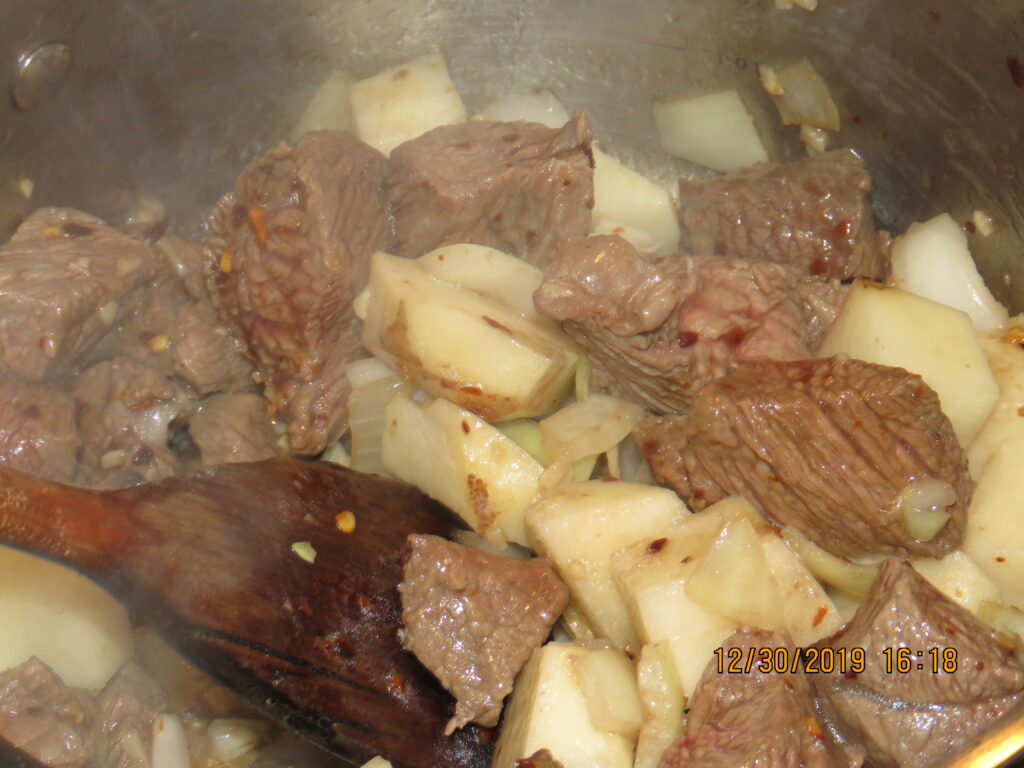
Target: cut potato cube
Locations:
point(61, 617)
point(608, 680)
point(463, 462)
point(404, 102)
point(1004, 618)
point(995, 522)
point(959, 578)
point(1005, 422)
point(730, 579)
point(579, 527)
point(330, 109)
point(624, 198)
point(548, 710)
point(457, 344)
point(933, 260)
point(714, 130)
point(489, 272)
point(654, 576)
point(662, 701)
point(888, 326)
point(589, 427)
point(538, 105)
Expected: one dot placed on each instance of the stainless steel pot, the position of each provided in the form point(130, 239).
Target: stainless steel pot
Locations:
point(172, 97)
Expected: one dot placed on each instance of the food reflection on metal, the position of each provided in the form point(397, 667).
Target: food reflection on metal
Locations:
point(1001, 746)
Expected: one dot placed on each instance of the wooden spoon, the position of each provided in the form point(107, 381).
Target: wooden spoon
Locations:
point(208, 561)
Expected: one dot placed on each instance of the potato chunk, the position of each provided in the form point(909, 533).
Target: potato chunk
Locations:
point(622, 197)
point(66, 620)
point(662, 701)
point(888, 326)
point(329, 109)
point(404, 102)
point(1005, 422)
point(548, 710)
point(463, 462)
point(454, 343)
point(580, 526)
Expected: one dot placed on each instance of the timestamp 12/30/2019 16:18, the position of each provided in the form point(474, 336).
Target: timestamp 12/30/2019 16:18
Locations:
point(828, 661)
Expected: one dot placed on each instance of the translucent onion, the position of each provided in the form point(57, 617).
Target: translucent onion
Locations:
point(366, 407)
point(924, 504)
point(853, 578)
point(538, 105)
point(233, 738)
point(368, 370)
point(589, 427)
point(170, 745)
point(805, 97)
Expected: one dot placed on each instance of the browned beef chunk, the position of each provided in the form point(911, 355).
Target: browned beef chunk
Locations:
point(46, 719)
point(830, 447)
point(542, 758)
point(658, 331)
point(473, 619)
point(290, 248)
point(38, 433)
point(177, 331)
point(125, 411)
point(127, 707)
point(813, 214)
point(910, 716)
point(520, 187)
point(233, 428)
point(758, 719)
point(66, 280)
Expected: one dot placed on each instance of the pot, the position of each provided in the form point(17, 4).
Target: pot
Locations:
point(115, 100)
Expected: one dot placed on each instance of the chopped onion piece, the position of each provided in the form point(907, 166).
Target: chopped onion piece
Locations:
point(329, 109)
point(170, 745)
point(924, 504)
point(770, 80)
point(537, 105)
point(478, 542)
point(714, 130)
point(377, 762)
point(853, 578)
point(590, 427)
point(336, 454)
point(815, 139)
point(582, 378)
point(366, 407)
point(788, 5)
point(233, 738)
point(368, 370)
point(805, 97)
point(527, 435)
point(575, 625)
point(983, 223)
point(304, 550)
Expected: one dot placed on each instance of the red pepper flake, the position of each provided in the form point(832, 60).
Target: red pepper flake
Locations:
point(258, 224)
point(686, 560)
point(394, 683)
point(471, 390)
point(1000, 559)
point(851, 675)
point(465, 426)
point(1016, 69)
point(970, 227)
point(656, 546)
point(936, 15)
point(687, 339)
point(979, 666)
point(814, 728)
point(303, 606)
point(845, 228)
point(819, 616)
point(858, 119)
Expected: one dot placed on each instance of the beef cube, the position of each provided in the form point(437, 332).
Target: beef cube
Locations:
point(230, 429)
point(764, 718)
point(838, 449)
point(46, 719)
point(289, 249)
point(907, 714)
point(473, 619)
point(125, 413)
point(38, 433)
point(656, 332)
point(127, 706)
point(813, 214)
point(522, 188)
point(66, 280)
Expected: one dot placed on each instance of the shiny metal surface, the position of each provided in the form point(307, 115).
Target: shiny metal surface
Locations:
point(172, 97)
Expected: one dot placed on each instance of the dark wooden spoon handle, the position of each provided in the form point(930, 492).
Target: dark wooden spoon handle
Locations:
point(209, 561)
